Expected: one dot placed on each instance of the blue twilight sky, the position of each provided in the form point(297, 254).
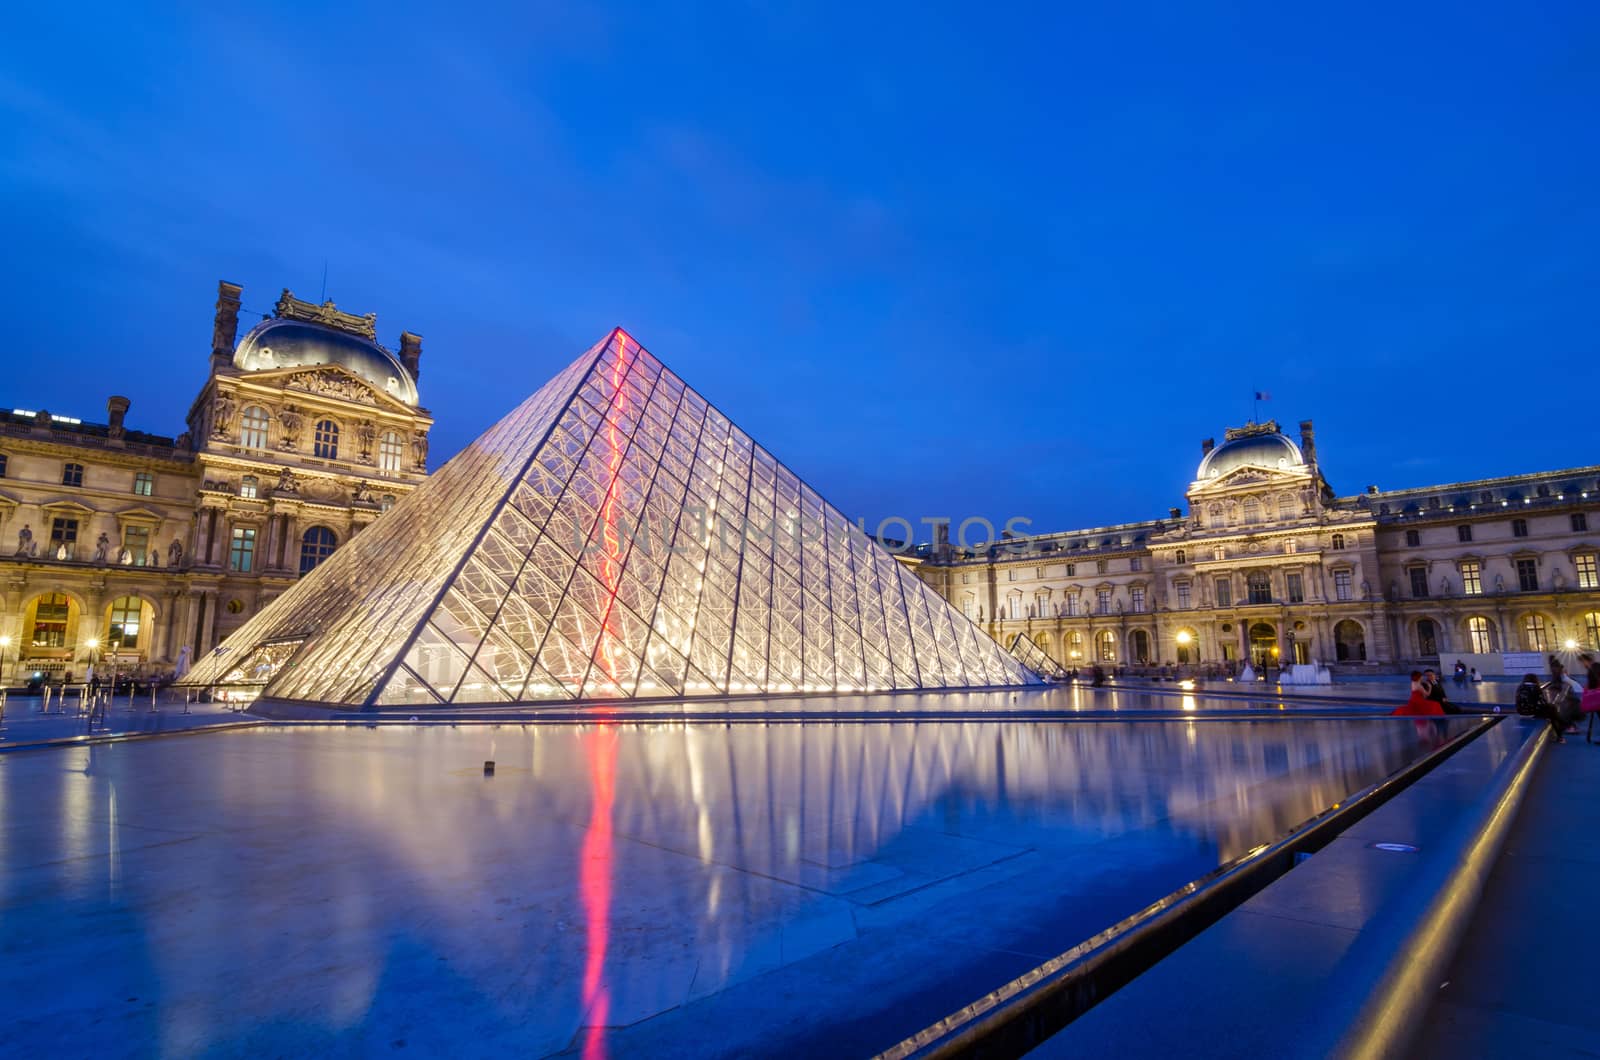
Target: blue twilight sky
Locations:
point(943, 259)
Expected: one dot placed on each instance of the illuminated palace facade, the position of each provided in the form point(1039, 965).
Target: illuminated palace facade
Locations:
point(1270, 565)
point(118, 542)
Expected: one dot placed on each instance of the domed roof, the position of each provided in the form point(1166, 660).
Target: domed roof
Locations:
point(281, 342)
point(1267, 449)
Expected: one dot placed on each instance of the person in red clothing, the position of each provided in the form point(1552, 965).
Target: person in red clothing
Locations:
point(1419, 705)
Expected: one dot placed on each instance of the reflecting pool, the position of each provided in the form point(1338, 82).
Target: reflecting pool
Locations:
point(676, 889)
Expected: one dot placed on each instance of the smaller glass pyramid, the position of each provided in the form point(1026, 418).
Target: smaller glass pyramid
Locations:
point(613, 537)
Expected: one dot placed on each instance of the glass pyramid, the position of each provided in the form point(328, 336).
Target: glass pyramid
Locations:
point(613, 537)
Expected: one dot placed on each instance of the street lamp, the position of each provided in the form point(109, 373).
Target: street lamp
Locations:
point(1569, 643)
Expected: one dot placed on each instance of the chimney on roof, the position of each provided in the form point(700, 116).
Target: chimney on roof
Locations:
point(1308, 442)
point(225, 328)
point(411, 353)
point(1207, 445)
point(116, 411)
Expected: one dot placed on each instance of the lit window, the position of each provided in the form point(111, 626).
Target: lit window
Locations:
point(63, 535)
point(50, 621)
point(1591, 629)
point(249, 486)
point(391, 450)
point(136, 542)
point(325, 443)
point(242, 550)
point(1533, 634)
point(144, 484)
point(316, 545)
point(1224, 592)
point(1137, 593)
point(125, 612)
point(1519, 528)
point(1481, 634)
point(1528, 575)
point(1341, 585)
point(1471, 578)
point(1296, 587)
point(1291, 546)
point(253, 428)
point(1106, 645)
point(1413, 538)
point(72, 474)
point(1588, 576)
point(1464, 534)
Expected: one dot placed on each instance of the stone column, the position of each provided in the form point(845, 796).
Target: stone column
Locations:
point(208, 624)
point(191, 616)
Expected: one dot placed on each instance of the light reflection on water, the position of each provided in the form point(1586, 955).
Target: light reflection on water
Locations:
point(302, 890)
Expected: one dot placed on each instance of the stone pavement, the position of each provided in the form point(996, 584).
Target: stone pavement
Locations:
point(25, 724)
point(1523, 983)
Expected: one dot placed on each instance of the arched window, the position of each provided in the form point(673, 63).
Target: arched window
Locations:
point(1533, 633)
point(253, 428)
point(1427, 638)
point(50, 616)
point(249, 486)
point(1105, 645)
point(316, 545)
point(391, 450)
point(1481, 632)
point(1141, 647)
point(1252, 510)
point(1349, 642)
point(325, 443)
point(124, 628)
point(1074, 645)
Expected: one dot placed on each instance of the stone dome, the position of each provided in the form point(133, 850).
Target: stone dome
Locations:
point(286, 343)
point(1268, 449)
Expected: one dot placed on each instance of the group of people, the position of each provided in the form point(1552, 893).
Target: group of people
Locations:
point(1562, 700)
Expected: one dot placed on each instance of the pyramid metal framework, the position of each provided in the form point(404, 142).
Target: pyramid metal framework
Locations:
point(613, 537)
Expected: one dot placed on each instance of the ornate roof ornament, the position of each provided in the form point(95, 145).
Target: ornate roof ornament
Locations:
point(1249, 430)
point(329, 316)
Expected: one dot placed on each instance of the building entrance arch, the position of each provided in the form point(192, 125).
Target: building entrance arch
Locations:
point(1263, 644)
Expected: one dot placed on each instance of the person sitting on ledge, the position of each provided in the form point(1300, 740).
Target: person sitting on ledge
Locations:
point(1532, 704)
point(1419, 705)
point(1435, 691)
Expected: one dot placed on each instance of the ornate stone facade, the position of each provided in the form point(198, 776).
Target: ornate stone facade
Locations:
point(304, 432)
point(1271, 565)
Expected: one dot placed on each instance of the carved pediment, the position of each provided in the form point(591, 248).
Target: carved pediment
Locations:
point(333, 383)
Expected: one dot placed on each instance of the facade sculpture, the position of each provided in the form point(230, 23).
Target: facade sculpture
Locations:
point(241, 496)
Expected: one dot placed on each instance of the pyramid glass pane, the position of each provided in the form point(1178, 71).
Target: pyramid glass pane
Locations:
point(614, 536)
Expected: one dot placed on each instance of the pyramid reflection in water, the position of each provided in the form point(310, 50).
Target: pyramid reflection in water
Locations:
point(613, 537)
